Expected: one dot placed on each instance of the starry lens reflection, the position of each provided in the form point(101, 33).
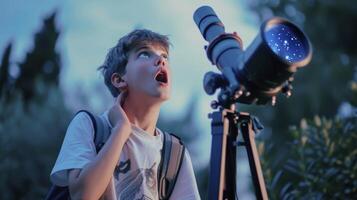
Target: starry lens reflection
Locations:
point(286, 43)
point(259, 73)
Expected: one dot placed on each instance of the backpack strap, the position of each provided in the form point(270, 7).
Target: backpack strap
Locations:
point(101, 130)
point(172, 155)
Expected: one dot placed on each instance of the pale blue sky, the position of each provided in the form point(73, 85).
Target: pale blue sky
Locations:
point(90, 28)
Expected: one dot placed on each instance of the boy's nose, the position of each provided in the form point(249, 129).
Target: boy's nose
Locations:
point(160, 60)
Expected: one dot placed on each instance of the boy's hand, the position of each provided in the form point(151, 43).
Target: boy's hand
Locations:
point(118, 117)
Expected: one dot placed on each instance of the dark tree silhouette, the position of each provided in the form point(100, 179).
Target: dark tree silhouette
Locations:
point(4, 72)
point(43, 62)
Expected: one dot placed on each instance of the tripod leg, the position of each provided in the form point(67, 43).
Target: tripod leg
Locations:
point(222, 180)
point(218, 152)
point(231, 160)
point(253, 157)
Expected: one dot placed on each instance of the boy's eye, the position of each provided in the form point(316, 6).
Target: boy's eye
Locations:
point(165, 56)
point(144, 54)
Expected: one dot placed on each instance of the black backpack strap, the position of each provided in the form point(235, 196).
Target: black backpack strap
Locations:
point(101, 130)
point(172, 154)
point(91, 117)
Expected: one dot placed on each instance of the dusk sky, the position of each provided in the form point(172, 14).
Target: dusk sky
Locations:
point(90, 28)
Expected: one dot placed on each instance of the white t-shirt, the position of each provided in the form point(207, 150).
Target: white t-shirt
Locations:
point(135, 176)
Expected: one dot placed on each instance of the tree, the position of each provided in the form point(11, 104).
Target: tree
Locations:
point(4, 72)
point(43, 61)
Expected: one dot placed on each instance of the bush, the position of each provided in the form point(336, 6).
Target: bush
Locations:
point(321, 163)
point(30, 138)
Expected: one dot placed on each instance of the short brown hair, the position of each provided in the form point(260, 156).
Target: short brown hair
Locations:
point(117, 57)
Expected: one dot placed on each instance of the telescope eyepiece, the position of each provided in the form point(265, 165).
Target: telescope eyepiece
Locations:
point(208, 23)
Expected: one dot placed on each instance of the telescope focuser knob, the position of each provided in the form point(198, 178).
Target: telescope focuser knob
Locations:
point(273, 100)
point(238, 94)
point(214, 104)
point(212, 81)
point(287, 88)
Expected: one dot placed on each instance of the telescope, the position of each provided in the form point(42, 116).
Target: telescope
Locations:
point(265, 68)
point(252, 76)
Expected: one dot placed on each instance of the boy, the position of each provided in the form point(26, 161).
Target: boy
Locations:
point(137, 73)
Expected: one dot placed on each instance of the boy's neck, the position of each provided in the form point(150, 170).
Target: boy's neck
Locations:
point(142, 114)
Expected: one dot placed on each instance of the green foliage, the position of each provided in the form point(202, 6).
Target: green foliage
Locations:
point(322, 161)
point(354, 93)
point(30, 140)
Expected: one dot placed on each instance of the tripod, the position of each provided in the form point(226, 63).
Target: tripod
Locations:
point(224, 124)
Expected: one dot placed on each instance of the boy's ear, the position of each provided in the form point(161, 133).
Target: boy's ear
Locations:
point(119, 81)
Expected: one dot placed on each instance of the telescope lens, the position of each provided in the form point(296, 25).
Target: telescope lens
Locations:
point(287, 42)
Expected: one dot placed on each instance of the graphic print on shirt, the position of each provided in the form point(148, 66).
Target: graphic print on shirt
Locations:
point(123, 167)
point(138, 184)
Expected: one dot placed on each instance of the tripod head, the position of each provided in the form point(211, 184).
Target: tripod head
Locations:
point(259, 73)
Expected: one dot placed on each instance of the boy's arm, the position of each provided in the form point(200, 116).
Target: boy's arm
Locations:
point(91, 181)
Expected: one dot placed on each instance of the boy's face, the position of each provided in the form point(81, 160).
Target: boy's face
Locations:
point(148, 73)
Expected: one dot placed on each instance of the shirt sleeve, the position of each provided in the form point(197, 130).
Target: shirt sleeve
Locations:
point(186, 186)
point(77, 150)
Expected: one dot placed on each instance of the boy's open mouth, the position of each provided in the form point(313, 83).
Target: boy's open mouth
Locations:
point(161, 76)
